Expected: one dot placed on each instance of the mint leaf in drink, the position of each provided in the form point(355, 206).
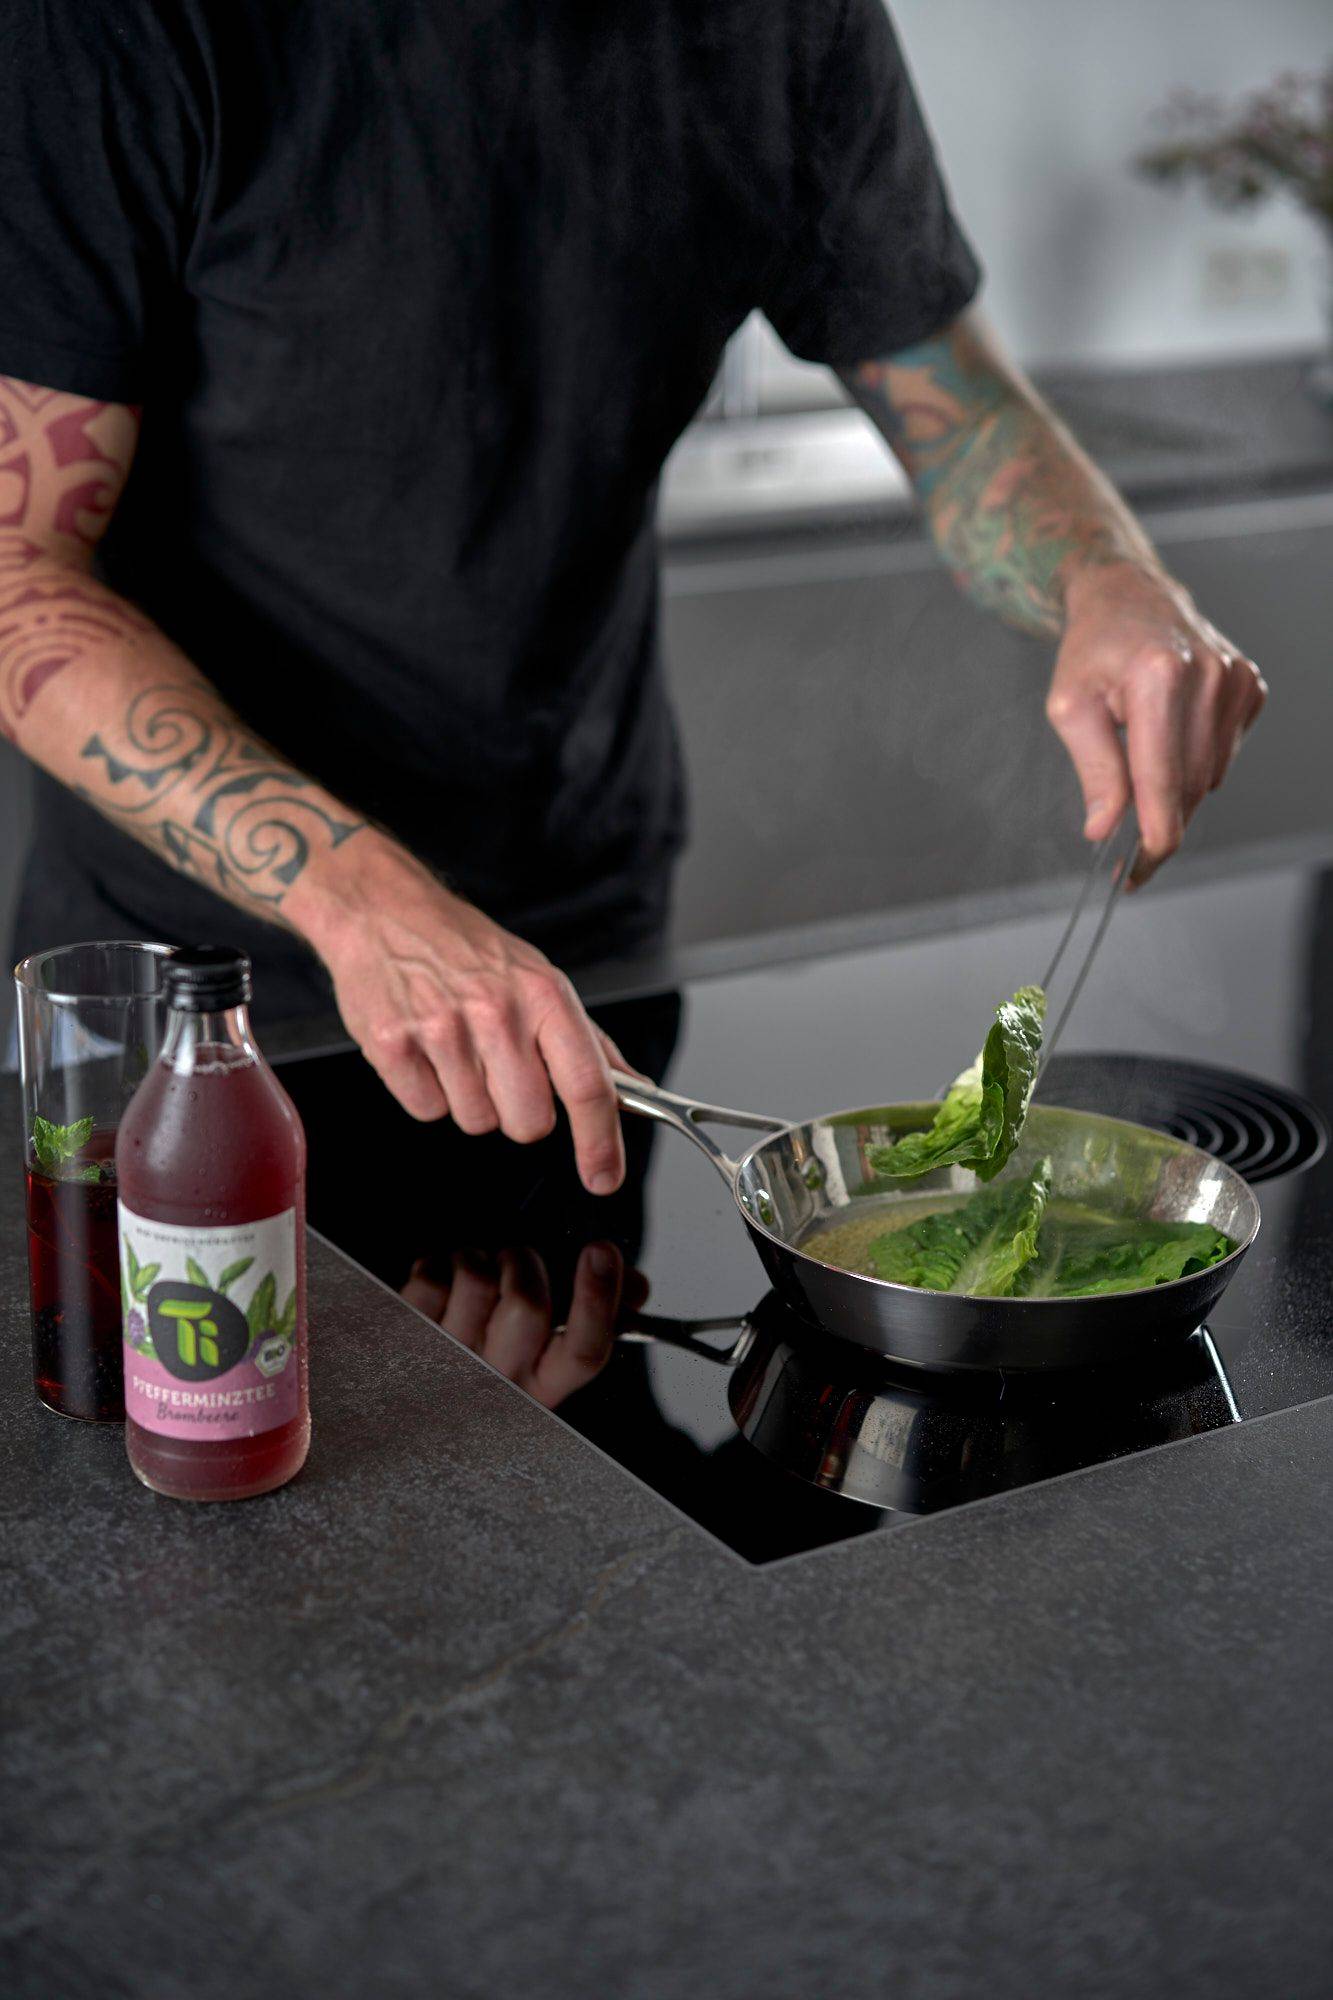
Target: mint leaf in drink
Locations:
point(980, 1120)
point(55, 1144)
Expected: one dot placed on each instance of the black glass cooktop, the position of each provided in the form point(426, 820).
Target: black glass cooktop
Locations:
point(644, 1322)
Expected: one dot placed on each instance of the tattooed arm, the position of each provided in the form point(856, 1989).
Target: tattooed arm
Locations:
point(1032, 530)
point(91, 690)
point(458, 1017)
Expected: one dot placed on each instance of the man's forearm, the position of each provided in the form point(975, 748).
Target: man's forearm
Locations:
point(98, 696)
point(1016, 508)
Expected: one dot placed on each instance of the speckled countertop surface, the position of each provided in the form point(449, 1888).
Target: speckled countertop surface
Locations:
point(466, 1710)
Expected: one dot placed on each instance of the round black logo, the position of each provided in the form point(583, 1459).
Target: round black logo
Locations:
point(197, 1334)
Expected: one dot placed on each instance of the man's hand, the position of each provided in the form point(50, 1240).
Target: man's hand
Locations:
point(457, 1016)
point(1137, 656)
point(1032, 530)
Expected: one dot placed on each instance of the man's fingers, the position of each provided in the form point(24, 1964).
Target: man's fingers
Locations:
point(1087, 729)
point(447, 1042)
point(516, 1078)
point(615, 1056)
point(405, 1070)
point(1155, 735)
point(1205, 724)
point(1137, 653)
point(582, 1079)
point(1245, 694)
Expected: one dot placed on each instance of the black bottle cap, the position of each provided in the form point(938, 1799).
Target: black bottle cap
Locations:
point(204, 977)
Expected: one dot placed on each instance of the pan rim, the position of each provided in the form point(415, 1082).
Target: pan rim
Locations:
point(1232, 1257)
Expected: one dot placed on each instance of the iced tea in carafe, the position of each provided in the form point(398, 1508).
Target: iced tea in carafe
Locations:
point(210, 1161)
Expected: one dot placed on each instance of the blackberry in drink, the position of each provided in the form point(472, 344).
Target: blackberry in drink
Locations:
point(73, 1271)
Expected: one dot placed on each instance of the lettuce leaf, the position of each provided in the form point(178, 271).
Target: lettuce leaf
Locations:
point(1002, 1244)
point(979, 1122)
point(1081, 1260)
point(981, 1248)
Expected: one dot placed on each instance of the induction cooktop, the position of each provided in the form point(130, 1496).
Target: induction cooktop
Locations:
point(644, 1322)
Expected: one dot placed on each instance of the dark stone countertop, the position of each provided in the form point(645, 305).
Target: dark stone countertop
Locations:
point(466, 1710)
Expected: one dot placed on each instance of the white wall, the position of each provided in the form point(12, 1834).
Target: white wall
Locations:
point(1037, 107)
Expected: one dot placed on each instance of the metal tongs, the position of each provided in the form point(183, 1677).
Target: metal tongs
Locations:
point(1113, 861)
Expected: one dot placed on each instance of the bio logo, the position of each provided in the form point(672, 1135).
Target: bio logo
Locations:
point(197, 1333)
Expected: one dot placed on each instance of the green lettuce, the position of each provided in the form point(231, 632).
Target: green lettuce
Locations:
point(1081, 1260)
point(980, 1248)
point(979, 1122)
point(1002, 1243)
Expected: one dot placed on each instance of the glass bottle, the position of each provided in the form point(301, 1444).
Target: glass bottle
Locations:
point(210, 1165)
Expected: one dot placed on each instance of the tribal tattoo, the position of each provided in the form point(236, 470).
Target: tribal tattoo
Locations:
point(63, 463)
point(173, 765)
point(219, 805)
point(1013, 504)
point(52, 618)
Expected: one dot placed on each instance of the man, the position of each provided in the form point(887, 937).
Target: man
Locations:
point(360, 330)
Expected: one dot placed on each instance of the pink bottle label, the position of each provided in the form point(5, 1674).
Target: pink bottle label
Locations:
point(210, 1324)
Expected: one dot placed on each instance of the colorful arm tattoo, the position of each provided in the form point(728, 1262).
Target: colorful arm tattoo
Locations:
point(1014, 505)
point(92, 690)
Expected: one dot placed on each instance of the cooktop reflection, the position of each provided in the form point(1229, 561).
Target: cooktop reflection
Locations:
point(642, 1322)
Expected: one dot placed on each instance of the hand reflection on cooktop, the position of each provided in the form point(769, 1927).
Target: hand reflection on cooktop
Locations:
point(501, 1306)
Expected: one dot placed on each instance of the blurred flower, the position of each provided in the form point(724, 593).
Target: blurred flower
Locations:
point(1279, 139)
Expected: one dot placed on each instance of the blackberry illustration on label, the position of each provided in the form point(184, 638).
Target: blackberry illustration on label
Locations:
point(210, 1325)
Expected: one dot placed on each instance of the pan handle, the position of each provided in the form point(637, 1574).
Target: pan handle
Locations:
point(683, 1115)
point(659, 1330)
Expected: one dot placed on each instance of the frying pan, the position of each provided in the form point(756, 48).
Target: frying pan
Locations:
point(798, 1178)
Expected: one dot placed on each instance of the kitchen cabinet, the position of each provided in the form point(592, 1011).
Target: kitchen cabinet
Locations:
point(860, 736)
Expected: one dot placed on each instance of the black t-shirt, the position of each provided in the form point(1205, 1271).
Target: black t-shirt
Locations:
point(416, 295)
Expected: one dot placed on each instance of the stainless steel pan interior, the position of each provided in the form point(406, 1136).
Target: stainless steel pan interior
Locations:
point(798, 1179)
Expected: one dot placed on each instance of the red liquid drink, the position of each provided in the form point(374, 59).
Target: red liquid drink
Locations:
point(73, 1272)
point(210, 1158)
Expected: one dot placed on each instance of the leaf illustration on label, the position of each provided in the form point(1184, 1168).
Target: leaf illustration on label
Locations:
point(234, 1271)
point(225, 1333)
point(261, 1308)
